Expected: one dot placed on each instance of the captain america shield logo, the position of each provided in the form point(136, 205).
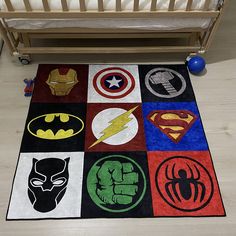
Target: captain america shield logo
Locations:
point(113, 83)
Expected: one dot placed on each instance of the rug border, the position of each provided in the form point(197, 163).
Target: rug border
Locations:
point(112, 218)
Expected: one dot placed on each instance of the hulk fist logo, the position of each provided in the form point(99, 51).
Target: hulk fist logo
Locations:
point(116, 183)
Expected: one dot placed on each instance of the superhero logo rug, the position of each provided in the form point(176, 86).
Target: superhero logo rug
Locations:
point(114, 141)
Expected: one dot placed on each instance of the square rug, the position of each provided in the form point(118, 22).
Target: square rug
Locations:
point(114, 141)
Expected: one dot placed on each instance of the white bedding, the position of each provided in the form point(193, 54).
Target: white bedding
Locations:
point(145, 24)
point(108, 4)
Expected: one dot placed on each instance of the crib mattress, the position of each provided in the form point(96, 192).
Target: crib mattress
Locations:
point(127, 5)
point(140, 23)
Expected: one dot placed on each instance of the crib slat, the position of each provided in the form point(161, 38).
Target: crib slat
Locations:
point(171, 5)
point(153, 5)
point(82, 5)
point(9, 5)
point(46, 5)
point(64, 5)
point(136, 5)
point(27, 5)
point(189, 5)
point(100, 5)
point(206, 5)
point(118, 5)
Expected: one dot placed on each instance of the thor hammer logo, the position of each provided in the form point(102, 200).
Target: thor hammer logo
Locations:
point(159, 82)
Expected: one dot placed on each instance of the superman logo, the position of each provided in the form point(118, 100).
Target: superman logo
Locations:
point(173, 123)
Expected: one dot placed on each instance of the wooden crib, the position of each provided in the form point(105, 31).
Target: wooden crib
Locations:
point(198, 40)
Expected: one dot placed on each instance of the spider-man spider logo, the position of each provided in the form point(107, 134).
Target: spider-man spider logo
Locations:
point(184, 183)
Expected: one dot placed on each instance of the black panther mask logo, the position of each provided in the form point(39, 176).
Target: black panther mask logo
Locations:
point(47, 183)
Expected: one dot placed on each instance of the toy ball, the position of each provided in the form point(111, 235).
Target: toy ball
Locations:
point(196, 64)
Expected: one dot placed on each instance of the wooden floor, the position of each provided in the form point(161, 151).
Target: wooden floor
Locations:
point(216, 97)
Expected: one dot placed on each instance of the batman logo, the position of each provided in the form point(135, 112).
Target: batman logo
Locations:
point(55, 126)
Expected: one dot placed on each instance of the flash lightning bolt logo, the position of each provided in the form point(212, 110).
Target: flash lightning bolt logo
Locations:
point(116, 125)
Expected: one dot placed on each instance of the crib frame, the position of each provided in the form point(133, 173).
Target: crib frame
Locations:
point(199, 40)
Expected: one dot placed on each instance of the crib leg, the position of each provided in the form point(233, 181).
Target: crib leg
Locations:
point(26, 40)
point(25, 59)
point(7, 40)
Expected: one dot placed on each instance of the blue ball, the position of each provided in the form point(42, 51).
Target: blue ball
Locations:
point(196, 64)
